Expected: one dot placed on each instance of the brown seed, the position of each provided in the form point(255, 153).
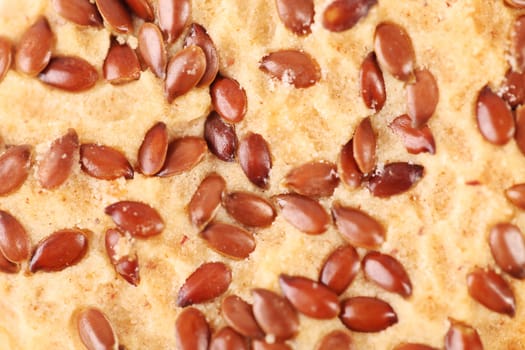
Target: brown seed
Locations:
point(416, 140)
point(461, 336)
point(183, 155)
point(104, 162)
point(492, 291)
point(15, 244)
point(274, 314)
point(313, 179)
point(249, 209)
point(206, 200)
point(413, 346)
point(185, 70)
point(514, 88)
point(199, 37)
point(292, 67)
point(296, 15)
point(173, 16)
point(152, 49)
point(336, 340)
point(367, 314)
point(350, 173)
point(33, 51)
point(304, 213)
point(373, 88)
point(357, 227)
point(365, 146)
point(8, 266)
point(69, 73)
point(153, 150)
point(6, 56)
point(207, 282)
point(229, 99)
point(56, 165)
point(519, 136)
point(231, 241)
point(122, 256)
point(255, 159)
point(116, 15)
point(342, 15)
point(508, 249)
point(121, 64)
point(81, 12)
point(495, 121)
point(14, 168)
point(192, 331)
point(394, 178)
point(58, 251)
point(422, 97)
point(515, 3)
point(220, 137)
point(387, 272)
point(309, 297)
point(261, 345)
point(141, 8)
point(518, 42)
point(228, 339)
point(95, 330)
point(238, 314)
point(516, 195)
point(394, 50)
point(340, 269)
point(136, 218)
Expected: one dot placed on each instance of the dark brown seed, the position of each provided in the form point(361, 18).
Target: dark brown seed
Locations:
point(6, 56)
point(14, 168)
point(495, 121)
point(207, 282)
point(413, 346)
point(357, 227)
point(261, 345)
point(81, 12)
point(206, 200)
point(255, 159)
point(69, 73)
point(461, 336)
point(350, 173)
point(122, 256)
point(95, 330)
point(340, 269)
point(394, 50)
point(508, 249)
point(58, 251)
point(296, 15)
point(15, 244)
point(516, 195)
point(229, 99)
point(304, 213)
point(492, 291)
point(152, 49)
point(199, 37)
point(365, 146)
point(116, 15)
point(183, 155)
point(136, 218)
point(153, 150)
point(104, 162)
point(422, 97)
point(342, 15)
point(231, 241)
point(274, 314)
point(220, 137)
point(56, 165)
point(519, 136)
point(228, 339)
point(336, 340)
point(249, 209)
point(185, 70)
point(141, 8)
point(514, 88)
point(33, 51)
point(173, 16)
point(387, 272)
point(292, 67)
point(394, 178)
point(8, 266)
point(367, 314)
point(313, 179)
point(515, 3)
point(373, 88)
point(416, 140)
point(192, 331)
point(121, 64)
point(238, 314)
point(518, 42)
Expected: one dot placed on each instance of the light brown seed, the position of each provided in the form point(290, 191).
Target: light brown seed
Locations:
point(513, 88)
point(199, 37)
point(336, 340)
point(367, 314)
point(141, 8)
point(6, 56)
point(185, 70)
point(192, 331)
point(313, 179)
point(255, 159)
point(261, 345)
point(136, 218)
point(56, 165)
point(81, 12)
point(228, 339)
point(394, 178)
point(350, 173)
point(340, 269)
point(387, 272)
point(152, 49)
point(58, 251)
point(304, 213)
point(15, 163)
point(365, 146)
point(95, 330)
point(229, 240)
point(515, 3)
point(206, 200)
point(33, 51)
point(238, 314)
point(508, 249)
point(116, 15)
point(173, 15)
point(121, 64)
point(274, 314)
point(229, 99)
point(373, 89)
point(492, 291)
point(461, 336)
point(292, 67)
point(122, 256)
point(15, 244)
point(69, 73)
point(413, 346)
point(220, 137)
point(183, 155)
point(296, 15)
point(495, 121)
point(422, 97)
point(342, 15)
point(416, 140)
point(357, 227)
point(518, 42)
point(519, 136)
point(207, 282)
point(153, 150)
point(249, 209)
point(8, 266)
point(516, 195)
point(104, 162)
point(394, 50)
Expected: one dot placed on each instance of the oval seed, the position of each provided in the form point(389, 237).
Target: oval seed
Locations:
point(515, 3)
point(14, 168)
point(274, 314)
point(8, 266)
point(518, 42)
point(296, 15)
point(519, 136)
point(304, 213)
point(15, 244)
point(255, 159)
point(152, 49)
point(394, 178)
point(141, 8)
point(220, 137)
point(394, 50)
point(122, 256)
point(6, 56)
point(199, 37)
point(514, 88)
point(313, 179)
point(373, 89)
point(58, 251)
point(192, 331)
point(387, 272)
point(342, 15)
point(416, 140)
point(336, 340)
point(365, 146)
point(422, 97)
point(228, 339)
point(508, 249)
point(104, 162)
point(69, 73)
point(229, 99)
point(350, 173)
point(292, 67)
point(136, 218)
point(95, 330)
point(206, 200)
point(495, 121)
point(340, 269)
point(121, 64)
point(81, 12)
point(238, 314)
point(367, 314)
point(249, 209)
point(261, 345)
point(516, 195)
point(492, 291)
point(185, 70)
point(357, 227)
point(173, 16)
point(231, 241)
point(33, 51)
point(153, 150)
point(461, 336)
point(183, 155)
point(413, 346)
point(116, 15)
point(207, 282)
point(57, 163)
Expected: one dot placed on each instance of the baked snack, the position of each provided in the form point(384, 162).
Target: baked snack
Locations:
point(109, 225)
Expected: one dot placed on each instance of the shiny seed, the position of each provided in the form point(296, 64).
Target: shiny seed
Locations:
point(95, 330)
point(8, 266)
point(516, 195)
point(513, 88)
point(365, 146)
point(357, 227)
point(6, 56)
point(238, 314)
point(206, 200)
point(492, 291)
point(207, 282)
point(116, 15)
point(56, 165)
point(121, 64)
point(173, 16)
point(387, 272)
point(228, 339)
point(373, 88)
point(495, 121)
point(104, 162)
point(152, 49)
point(519, 136)
point(183, 155)
point(229, 99)
point(14, 168)
point(367, 314)
point(136, 218)
point(340, 269)
point(141, 8)
point(422, 97)
point(461, 336)
point(508, 249)
point(342, 15)
point(122, 256)
point(81, 12)
point(231, 241)
point(413, 346)
point(394, 178)
point(313, 179)
point(416, 140)
point(58, 251)
point(255, 159)
point(199, 37)
point(518, 42)
point(292, 67)
point(296, 15)
point(515, 3)
point(336, 340)
point(192, 331)
point(15, 244)
point(185, 70)
point(304, 213)
point(249, 209)
point(153, 150)
point(350, 173)
point(274, 314)
point(261, 345)
point(33, 51)
point(394, 50)
point(69, 73)
point(220, 137)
